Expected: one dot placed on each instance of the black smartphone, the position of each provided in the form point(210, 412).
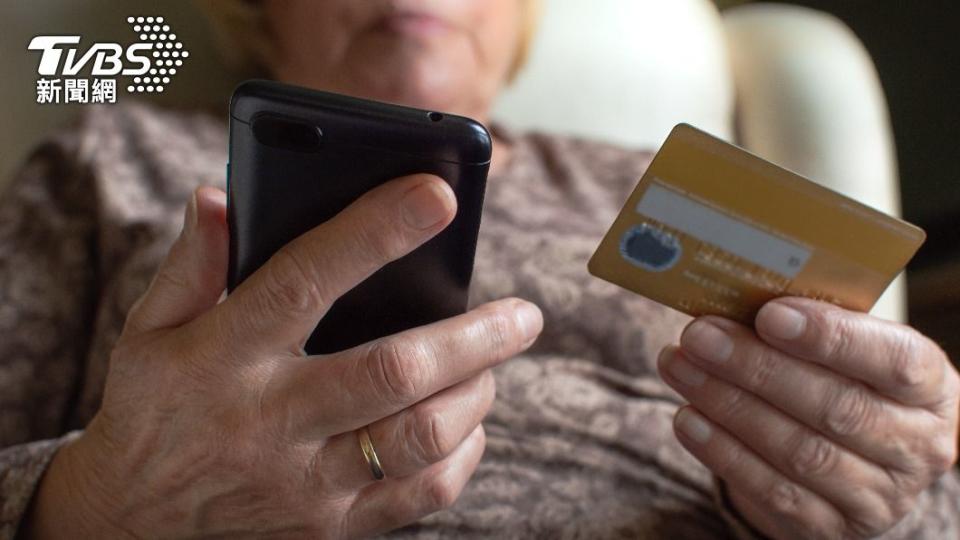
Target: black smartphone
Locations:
point(299, 156)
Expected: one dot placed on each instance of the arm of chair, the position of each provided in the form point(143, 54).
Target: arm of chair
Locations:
point(809, 99)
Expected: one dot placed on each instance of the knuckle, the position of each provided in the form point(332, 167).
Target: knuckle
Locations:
point(849, 411)
point(867, 524)
point(899, 506)
point(383, 241)
point(430, 435)
point(734, 403)
point(728, 462)
point(946, 407)
point(395, 370)
point(763, 366)
point(839, 333)
point(289, 287)
point(813, 455)
point(903, 506)
point(905, 480)
point(872, 514)
point(902, 450)
point(785, 499)
point(910, 368)
point(792, 506)
point(943, 453)
point(441, 492)
point(500, 331)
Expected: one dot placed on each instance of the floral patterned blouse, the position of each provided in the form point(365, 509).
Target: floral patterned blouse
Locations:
point(580, 440)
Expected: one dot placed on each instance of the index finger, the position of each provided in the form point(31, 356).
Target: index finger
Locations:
point(322, 396)
point(892, 358)
point(278, 306)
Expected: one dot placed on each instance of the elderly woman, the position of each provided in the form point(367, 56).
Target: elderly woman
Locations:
point(187, 414)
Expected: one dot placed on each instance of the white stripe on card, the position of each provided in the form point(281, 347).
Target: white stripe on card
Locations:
point(675, 210)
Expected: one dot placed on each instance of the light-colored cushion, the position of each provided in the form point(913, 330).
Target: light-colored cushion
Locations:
point(624, 71)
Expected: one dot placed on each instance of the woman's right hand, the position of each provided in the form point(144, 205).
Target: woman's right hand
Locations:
point(213, 421)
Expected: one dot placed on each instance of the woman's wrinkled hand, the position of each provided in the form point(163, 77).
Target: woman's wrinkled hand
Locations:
point(822, 423)
point(214, 423)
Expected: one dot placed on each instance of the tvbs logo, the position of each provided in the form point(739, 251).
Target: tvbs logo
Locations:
point(150, 63)
point(107, 57)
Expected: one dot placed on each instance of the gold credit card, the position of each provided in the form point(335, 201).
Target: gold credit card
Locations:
point(713, 229)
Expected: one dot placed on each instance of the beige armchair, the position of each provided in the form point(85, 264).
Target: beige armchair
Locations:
point(791, 84)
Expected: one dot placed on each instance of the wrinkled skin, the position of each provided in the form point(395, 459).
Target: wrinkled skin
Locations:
point(214, 423)
point(823, 423)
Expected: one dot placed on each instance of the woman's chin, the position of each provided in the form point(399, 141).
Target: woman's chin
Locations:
point(418, 85)
point(425, 85)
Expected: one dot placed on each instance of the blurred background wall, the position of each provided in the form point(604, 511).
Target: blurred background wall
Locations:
point(913, 44)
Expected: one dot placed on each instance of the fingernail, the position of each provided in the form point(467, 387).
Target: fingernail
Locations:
point(530, 319)
point(707, 341)
point(685, 372)
point(693, 425)
point(781, 322)
point(426, 205)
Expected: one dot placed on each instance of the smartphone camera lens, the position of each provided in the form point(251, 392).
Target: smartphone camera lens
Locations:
point(286, 134)
point(435, 116)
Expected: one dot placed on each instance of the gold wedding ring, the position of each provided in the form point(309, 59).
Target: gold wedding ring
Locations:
point(366, 445)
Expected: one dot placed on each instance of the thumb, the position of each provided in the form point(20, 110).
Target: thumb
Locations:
point(192, 277)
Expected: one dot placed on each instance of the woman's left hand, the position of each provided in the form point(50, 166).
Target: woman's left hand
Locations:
point(823, 423)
